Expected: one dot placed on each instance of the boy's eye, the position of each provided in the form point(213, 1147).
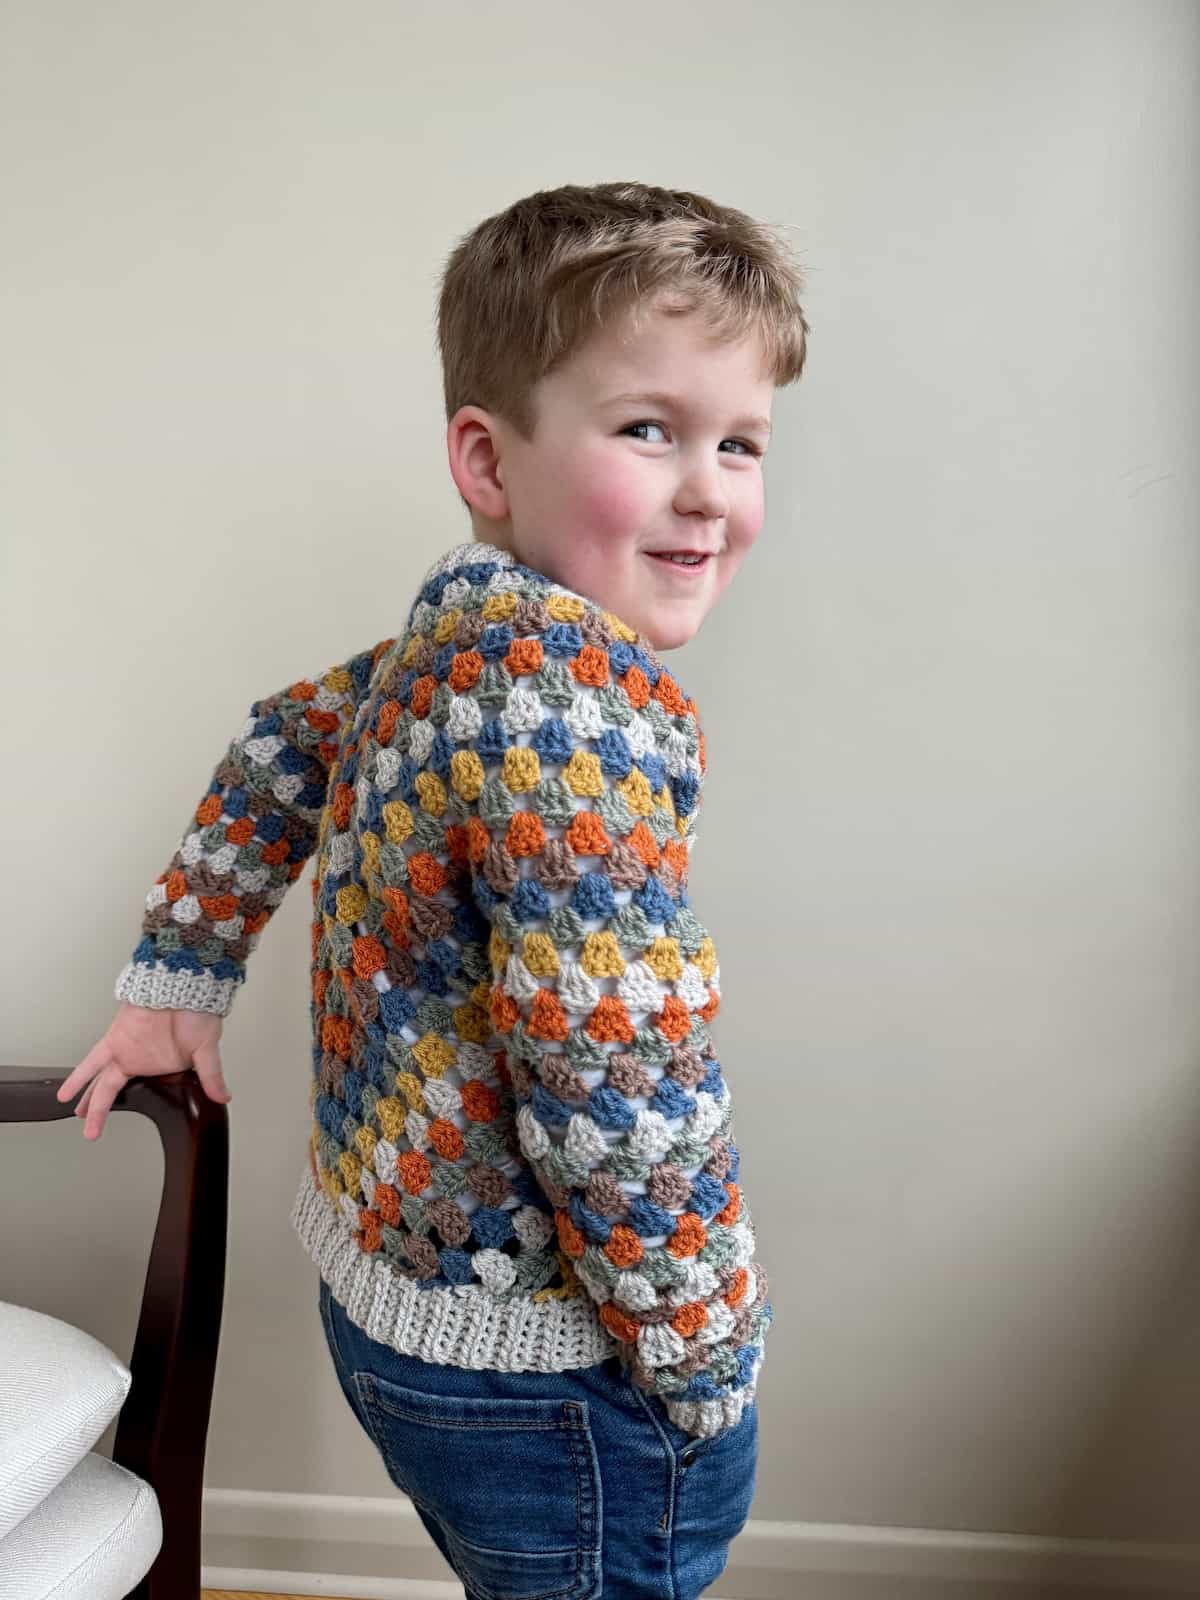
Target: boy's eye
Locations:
point(634, 425)
point(750, 449)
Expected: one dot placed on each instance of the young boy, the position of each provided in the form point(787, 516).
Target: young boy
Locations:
point(537, 1273)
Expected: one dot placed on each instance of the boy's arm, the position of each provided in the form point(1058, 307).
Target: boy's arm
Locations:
point(246, 843)
point(604, 983)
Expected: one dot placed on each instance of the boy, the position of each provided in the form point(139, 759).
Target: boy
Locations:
point(521, 1189)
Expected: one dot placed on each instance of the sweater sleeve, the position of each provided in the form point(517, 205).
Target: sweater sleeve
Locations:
point(245, 843)
point(603, 984)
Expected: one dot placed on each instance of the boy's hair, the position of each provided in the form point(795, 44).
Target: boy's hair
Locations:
point(527, 286)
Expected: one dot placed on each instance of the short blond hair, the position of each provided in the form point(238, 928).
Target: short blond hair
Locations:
point(527, 286)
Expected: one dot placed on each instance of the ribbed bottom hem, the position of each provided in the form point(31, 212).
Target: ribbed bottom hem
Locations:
point(460, 1325)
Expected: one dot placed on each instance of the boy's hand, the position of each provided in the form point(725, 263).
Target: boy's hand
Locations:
point(145, 1042)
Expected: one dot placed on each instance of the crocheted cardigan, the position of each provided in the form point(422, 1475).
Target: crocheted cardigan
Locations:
point(522, 1152)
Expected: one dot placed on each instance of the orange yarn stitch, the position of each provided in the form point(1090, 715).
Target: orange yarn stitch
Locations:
point(637, 686)
point(426, 873)
point(729, 1214)
point(547, 1019)
point(689, 1319)
point(619, 1323)
point(644, 844)
point(669, 695)
point(624, 1247)
point(421, 698)
point(524, 658)
point(609, 1021)
point(526, 835)
point(209, 810)
point(689, 1238)
point(465, 670)
point(368, 956)
point(586, 835)
point(390, 713)
point(590, 666)
point(446, 1139)
point(479, 1102)
point(413, 1170)
point(341, 806)
point(674, 1021)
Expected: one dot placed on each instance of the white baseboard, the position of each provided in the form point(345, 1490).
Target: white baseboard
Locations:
point(356, 1546)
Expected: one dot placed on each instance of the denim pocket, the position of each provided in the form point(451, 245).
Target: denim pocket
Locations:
point(514, 1483)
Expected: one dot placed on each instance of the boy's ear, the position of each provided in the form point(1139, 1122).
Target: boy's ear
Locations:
point(472, 446)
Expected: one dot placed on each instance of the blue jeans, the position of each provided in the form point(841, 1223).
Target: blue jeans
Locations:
point(549, 1486)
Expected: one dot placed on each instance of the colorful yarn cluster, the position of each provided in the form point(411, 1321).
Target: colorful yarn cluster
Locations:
point(522, 1153)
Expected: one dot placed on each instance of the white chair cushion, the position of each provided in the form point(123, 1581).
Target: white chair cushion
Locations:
point(94, 1537)
point(59, 1389)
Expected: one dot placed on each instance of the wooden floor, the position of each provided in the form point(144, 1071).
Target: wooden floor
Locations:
point(253, 1594)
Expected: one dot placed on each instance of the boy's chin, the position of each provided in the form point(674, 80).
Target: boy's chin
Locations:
point(663, 641)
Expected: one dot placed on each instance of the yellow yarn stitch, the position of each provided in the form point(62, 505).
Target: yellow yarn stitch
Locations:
point(705, 958)
point(443, 628)
point(664, 958)
point(499, 607)
point(391, 1116)
point(434, 1054)
point(601, 955)
point(431, 792)
point(409, 1085)
point(351, 902)
point(370, 847)
point(397, 821)
point(498, 950)
point(622, 630)
point(338, 681)
point(522, 770)
point(539, 955)
point(564, 607)
point(635, 790)
point(471, 1022)
point(582, 774)
point(466, 774)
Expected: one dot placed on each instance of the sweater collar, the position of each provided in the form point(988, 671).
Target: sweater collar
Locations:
point(477, 551)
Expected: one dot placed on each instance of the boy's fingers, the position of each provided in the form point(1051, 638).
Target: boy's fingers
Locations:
point(206, 1063)
point(104, 1091)
point(96, 1058)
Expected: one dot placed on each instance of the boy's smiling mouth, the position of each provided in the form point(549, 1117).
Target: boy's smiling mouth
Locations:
point(681, 561)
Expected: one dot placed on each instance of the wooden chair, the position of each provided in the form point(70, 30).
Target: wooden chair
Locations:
point(162, 1427)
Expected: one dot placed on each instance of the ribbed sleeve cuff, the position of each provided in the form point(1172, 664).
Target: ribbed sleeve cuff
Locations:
point(702, 1418)
point(163, 989)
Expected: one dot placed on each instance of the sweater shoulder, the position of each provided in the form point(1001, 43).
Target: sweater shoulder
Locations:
point(477, 597)
point(485, 628)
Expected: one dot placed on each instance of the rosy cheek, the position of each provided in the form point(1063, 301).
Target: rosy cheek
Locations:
point(607, 505)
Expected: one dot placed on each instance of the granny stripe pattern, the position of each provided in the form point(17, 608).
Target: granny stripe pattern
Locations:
point(522, 1153)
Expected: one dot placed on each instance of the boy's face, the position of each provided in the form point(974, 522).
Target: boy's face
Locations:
point(589, 499)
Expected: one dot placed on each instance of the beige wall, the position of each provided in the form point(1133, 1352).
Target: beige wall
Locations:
point(949, 853)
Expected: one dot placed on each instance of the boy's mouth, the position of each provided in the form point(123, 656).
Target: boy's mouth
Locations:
point(681, 560)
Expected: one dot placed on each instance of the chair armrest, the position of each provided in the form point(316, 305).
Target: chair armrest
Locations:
point(162, 1428)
